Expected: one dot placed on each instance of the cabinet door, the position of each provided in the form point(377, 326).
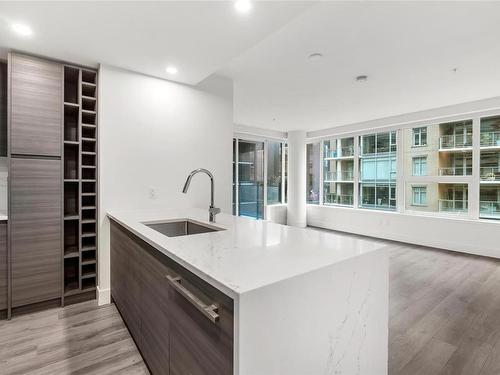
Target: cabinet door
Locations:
point(3, 109)
point(197, 345)
point(124, 282)
point(3, 265)
point(36, 106)
point(155, 314)
point(36, 230)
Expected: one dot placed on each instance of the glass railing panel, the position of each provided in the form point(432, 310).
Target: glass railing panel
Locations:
point(490, 139)
point(489, 209)
point(339, 176)
point(346, 200)
point(455, 171)
point(490, 173)
point(455, 141)
point(342, 152)
point(449, 205)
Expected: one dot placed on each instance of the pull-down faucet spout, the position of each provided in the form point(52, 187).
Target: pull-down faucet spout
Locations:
point(212, 210)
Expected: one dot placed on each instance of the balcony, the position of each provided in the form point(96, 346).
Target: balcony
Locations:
point(343, 152)
point(449, 205)
point(490, 174)
point(453, 142)
point(489, 209)
point(339, 176)
point(455, 171)
point(346, 200)
point(490, 139)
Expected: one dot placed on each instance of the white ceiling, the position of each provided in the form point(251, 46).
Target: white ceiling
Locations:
point(197, 37)
point(407, 49)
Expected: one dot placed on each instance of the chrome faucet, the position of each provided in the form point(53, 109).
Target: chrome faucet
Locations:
point(212, 210)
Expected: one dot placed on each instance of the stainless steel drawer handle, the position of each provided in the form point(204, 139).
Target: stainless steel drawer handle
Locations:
point(210, 311)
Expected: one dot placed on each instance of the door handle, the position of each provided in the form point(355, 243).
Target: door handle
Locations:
point(209, 311)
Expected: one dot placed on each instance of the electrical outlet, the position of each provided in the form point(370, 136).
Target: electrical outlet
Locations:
point(152, 193)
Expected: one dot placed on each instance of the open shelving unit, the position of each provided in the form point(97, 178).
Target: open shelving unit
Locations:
point(80, 184)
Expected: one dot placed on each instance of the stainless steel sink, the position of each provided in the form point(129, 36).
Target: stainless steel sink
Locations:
point(183, 227)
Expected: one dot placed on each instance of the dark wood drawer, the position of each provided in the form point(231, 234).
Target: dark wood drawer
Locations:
point(175, 336)
point(3, 265)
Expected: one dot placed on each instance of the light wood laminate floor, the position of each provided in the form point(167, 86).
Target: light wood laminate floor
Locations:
point(77, 339)
point(444, 319)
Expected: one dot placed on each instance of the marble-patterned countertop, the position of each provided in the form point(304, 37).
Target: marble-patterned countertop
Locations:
point(249, 254)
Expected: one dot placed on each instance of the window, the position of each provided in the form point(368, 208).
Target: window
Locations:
point(338, 171)
point(419, 195)
point(274, 172)
point(489, 171)
point(313, 157)
point(420, 136)
point(420, 166)
point(377, 164)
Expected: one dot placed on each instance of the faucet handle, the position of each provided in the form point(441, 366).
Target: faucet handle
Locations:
point(214, 210)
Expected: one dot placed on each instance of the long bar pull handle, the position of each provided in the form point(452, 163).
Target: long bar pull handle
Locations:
point(210, 311)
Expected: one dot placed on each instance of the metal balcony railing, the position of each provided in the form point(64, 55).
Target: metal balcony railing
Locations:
point(489, 209)
point(455, 171)
point(339, 176)
point(338, 199)
point(455, 141)
point(340, 152)
point(450, 205)
point(490, 139)
point(490, 173)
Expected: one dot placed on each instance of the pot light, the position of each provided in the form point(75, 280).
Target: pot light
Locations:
point(362, 78)
point(243, 6)
point(171, 70)
point(21, 29)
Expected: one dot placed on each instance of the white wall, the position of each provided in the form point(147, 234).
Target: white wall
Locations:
point(469, 236)
point(152, 133)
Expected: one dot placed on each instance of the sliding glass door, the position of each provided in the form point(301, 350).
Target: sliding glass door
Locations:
point(250, 178)
point(259, 169)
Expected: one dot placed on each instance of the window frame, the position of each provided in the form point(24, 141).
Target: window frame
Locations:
point(420, 164)
point(419, 131)
point(422, 191)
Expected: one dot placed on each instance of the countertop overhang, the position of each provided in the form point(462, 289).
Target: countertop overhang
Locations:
point(249, 254)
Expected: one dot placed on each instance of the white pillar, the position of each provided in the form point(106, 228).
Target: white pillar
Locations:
point(296, 213)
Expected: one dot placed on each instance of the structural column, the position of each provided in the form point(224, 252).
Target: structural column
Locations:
point(296, 212)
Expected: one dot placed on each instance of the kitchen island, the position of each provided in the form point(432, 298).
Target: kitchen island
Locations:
point(249, 297)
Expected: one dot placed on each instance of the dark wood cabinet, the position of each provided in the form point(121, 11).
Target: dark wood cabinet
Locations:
point(3, 265)
point(36, 102)
point(174, 337)
point(3, 108)
point(35, 230)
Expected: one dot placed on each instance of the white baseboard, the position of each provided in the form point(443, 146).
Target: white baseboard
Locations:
point(103, 296)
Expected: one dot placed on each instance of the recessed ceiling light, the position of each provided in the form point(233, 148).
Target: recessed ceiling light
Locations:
point(315, 57)
point(171, 70)
point(22, 29)
point(362, 78)
point(243, 6)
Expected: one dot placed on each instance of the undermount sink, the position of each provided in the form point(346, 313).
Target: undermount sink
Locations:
point(182, 227)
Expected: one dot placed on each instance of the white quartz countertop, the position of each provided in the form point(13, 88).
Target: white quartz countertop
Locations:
point(248, 254)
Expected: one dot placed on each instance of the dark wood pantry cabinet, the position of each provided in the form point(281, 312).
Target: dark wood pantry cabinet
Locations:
point(35, 230)
point(3, 268)
point(52, 149)
point(35, 106)
point(156, 297)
